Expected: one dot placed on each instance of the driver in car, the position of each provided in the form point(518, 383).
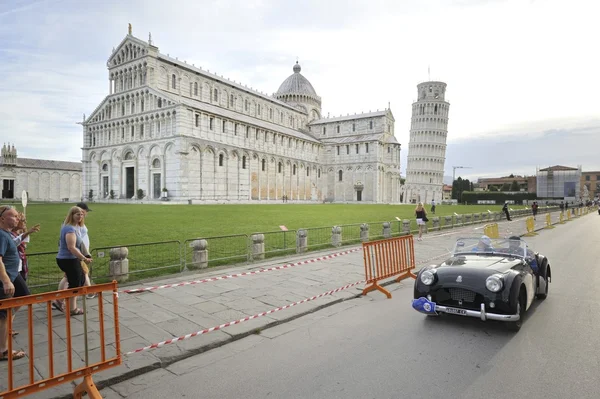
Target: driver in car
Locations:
point(514, 247)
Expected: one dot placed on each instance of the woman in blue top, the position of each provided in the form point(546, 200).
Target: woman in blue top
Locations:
point(69, 256)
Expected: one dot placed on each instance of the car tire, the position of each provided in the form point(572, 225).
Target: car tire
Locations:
point(547, 281)
point(521, 305)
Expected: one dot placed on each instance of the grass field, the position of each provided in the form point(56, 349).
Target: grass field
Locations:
point(112, 225)
point(115, 224)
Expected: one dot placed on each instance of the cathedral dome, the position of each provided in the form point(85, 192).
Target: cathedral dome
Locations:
point(296, 84)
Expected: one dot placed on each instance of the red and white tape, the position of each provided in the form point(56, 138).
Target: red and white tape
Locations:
point(231, 323)
point(206, 280)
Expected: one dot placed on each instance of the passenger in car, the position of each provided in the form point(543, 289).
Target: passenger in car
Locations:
point(484, 245)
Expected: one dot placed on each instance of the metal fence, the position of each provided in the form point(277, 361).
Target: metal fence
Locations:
point(44, 274)
point(220, 250)
point(145, 260)
point(276, 243)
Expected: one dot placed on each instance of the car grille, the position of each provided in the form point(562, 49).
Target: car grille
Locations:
point(460, 294)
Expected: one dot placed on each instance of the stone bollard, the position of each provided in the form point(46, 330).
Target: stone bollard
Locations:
point(119, 264)
point(364, 232)
point(336, 236)
point(475, 218)
point(258, 246)
point(199, 255)
point(301, 241)
point(459, 220)
point(406, 226)
point(468, 219)
point(483, 216)
point(436, 223)
point(448, 221)
point(387, 230)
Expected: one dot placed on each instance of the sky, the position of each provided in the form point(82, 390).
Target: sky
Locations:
point(522, 75)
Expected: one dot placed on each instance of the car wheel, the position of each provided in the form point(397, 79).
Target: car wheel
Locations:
point(547, 283)
point(521, 305)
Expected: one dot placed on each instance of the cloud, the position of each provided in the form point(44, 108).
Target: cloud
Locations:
point(513, 68)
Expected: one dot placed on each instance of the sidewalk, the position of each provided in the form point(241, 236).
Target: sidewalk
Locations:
point(154, 316)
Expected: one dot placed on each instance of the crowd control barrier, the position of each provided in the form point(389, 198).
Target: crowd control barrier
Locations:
point(62, 365)
point(388, 258)
point(491, 230)
point(530, 226)
point(549, 221)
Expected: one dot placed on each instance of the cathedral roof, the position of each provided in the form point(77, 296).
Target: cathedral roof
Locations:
point(352, 117)
point(296, 83)
point(46, 164)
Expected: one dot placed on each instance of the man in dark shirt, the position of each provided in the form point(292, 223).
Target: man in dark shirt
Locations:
point(11, 282)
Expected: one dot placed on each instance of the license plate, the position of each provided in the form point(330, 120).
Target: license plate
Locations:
point(456, 311)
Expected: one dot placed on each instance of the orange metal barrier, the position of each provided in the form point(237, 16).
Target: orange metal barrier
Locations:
point(388, 258)
point(57, 372)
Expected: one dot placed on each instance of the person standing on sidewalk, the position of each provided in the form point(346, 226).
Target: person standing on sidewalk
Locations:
point(82, 232)
point(421, 215)
point(69, 255)
point(505, 210)
point(534, 209)
point(11, 282)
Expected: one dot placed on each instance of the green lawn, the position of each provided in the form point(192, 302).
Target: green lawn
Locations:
point(115, 224)
point(112, 225)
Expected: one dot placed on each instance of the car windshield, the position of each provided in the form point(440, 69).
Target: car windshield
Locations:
point(490, 246)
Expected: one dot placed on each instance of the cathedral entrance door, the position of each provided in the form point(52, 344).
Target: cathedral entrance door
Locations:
point(359, 195)
point(156, 185)
point(129, 182)
point(8, 188)
point(105, 186)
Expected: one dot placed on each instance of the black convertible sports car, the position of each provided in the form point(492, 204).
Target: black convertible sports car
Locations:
point(493, 279)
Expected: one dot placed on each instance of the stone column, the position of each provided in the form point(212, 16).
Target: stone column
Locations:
point(387, 230)
point(119, 264)
point(258, 246)
point(301, 241)
point(459, 220)
point(475, 217)
point(406, 226)
point(336, 236)
point(468, 219)
point(199, 255)
point(447, 221)
point(364, 232)
point(436, 223)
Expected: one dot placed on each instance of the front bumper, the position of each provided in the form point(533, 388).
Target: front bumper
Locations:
point(426, 306)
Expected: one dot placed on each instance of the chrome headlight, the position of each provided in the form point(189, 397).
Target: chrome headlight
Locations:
point(494, 283)
point(427, 277)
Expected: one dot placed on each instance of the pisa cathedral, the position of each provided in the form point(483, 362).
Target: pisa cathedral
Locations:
point(170, 128)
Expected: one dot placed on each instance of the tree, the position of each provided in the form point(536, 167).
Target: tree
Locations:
point(506, 187)
point(515, 186)
point(493, 188)
point(458, 186)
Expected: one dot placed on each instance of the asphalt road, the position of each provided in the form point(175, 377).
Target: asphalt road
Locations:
point(378, 348)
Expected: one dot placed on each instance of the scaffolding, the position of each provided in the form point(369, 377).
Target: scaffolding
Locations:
point(559, 182)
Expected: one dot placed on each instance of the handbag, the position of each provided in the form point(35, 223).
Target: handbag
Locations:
point(425, 219)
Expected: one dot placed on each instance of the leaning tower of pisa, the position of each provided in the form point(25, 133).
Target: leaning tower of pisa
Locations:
point(427, 144)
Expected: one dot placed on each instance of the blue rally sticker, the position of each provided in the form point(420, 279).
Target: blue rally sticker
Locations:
point(424, 305)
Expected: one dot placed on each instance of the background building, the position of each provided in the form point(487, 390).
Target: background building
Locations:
point(43, 180)
point(427, 145)
point(525, 183)
point(168, 125)
point(590, 183)
point(559, 182)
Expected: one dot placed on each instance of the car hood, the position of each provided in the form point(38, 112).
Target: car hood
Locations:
point(477, 264)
